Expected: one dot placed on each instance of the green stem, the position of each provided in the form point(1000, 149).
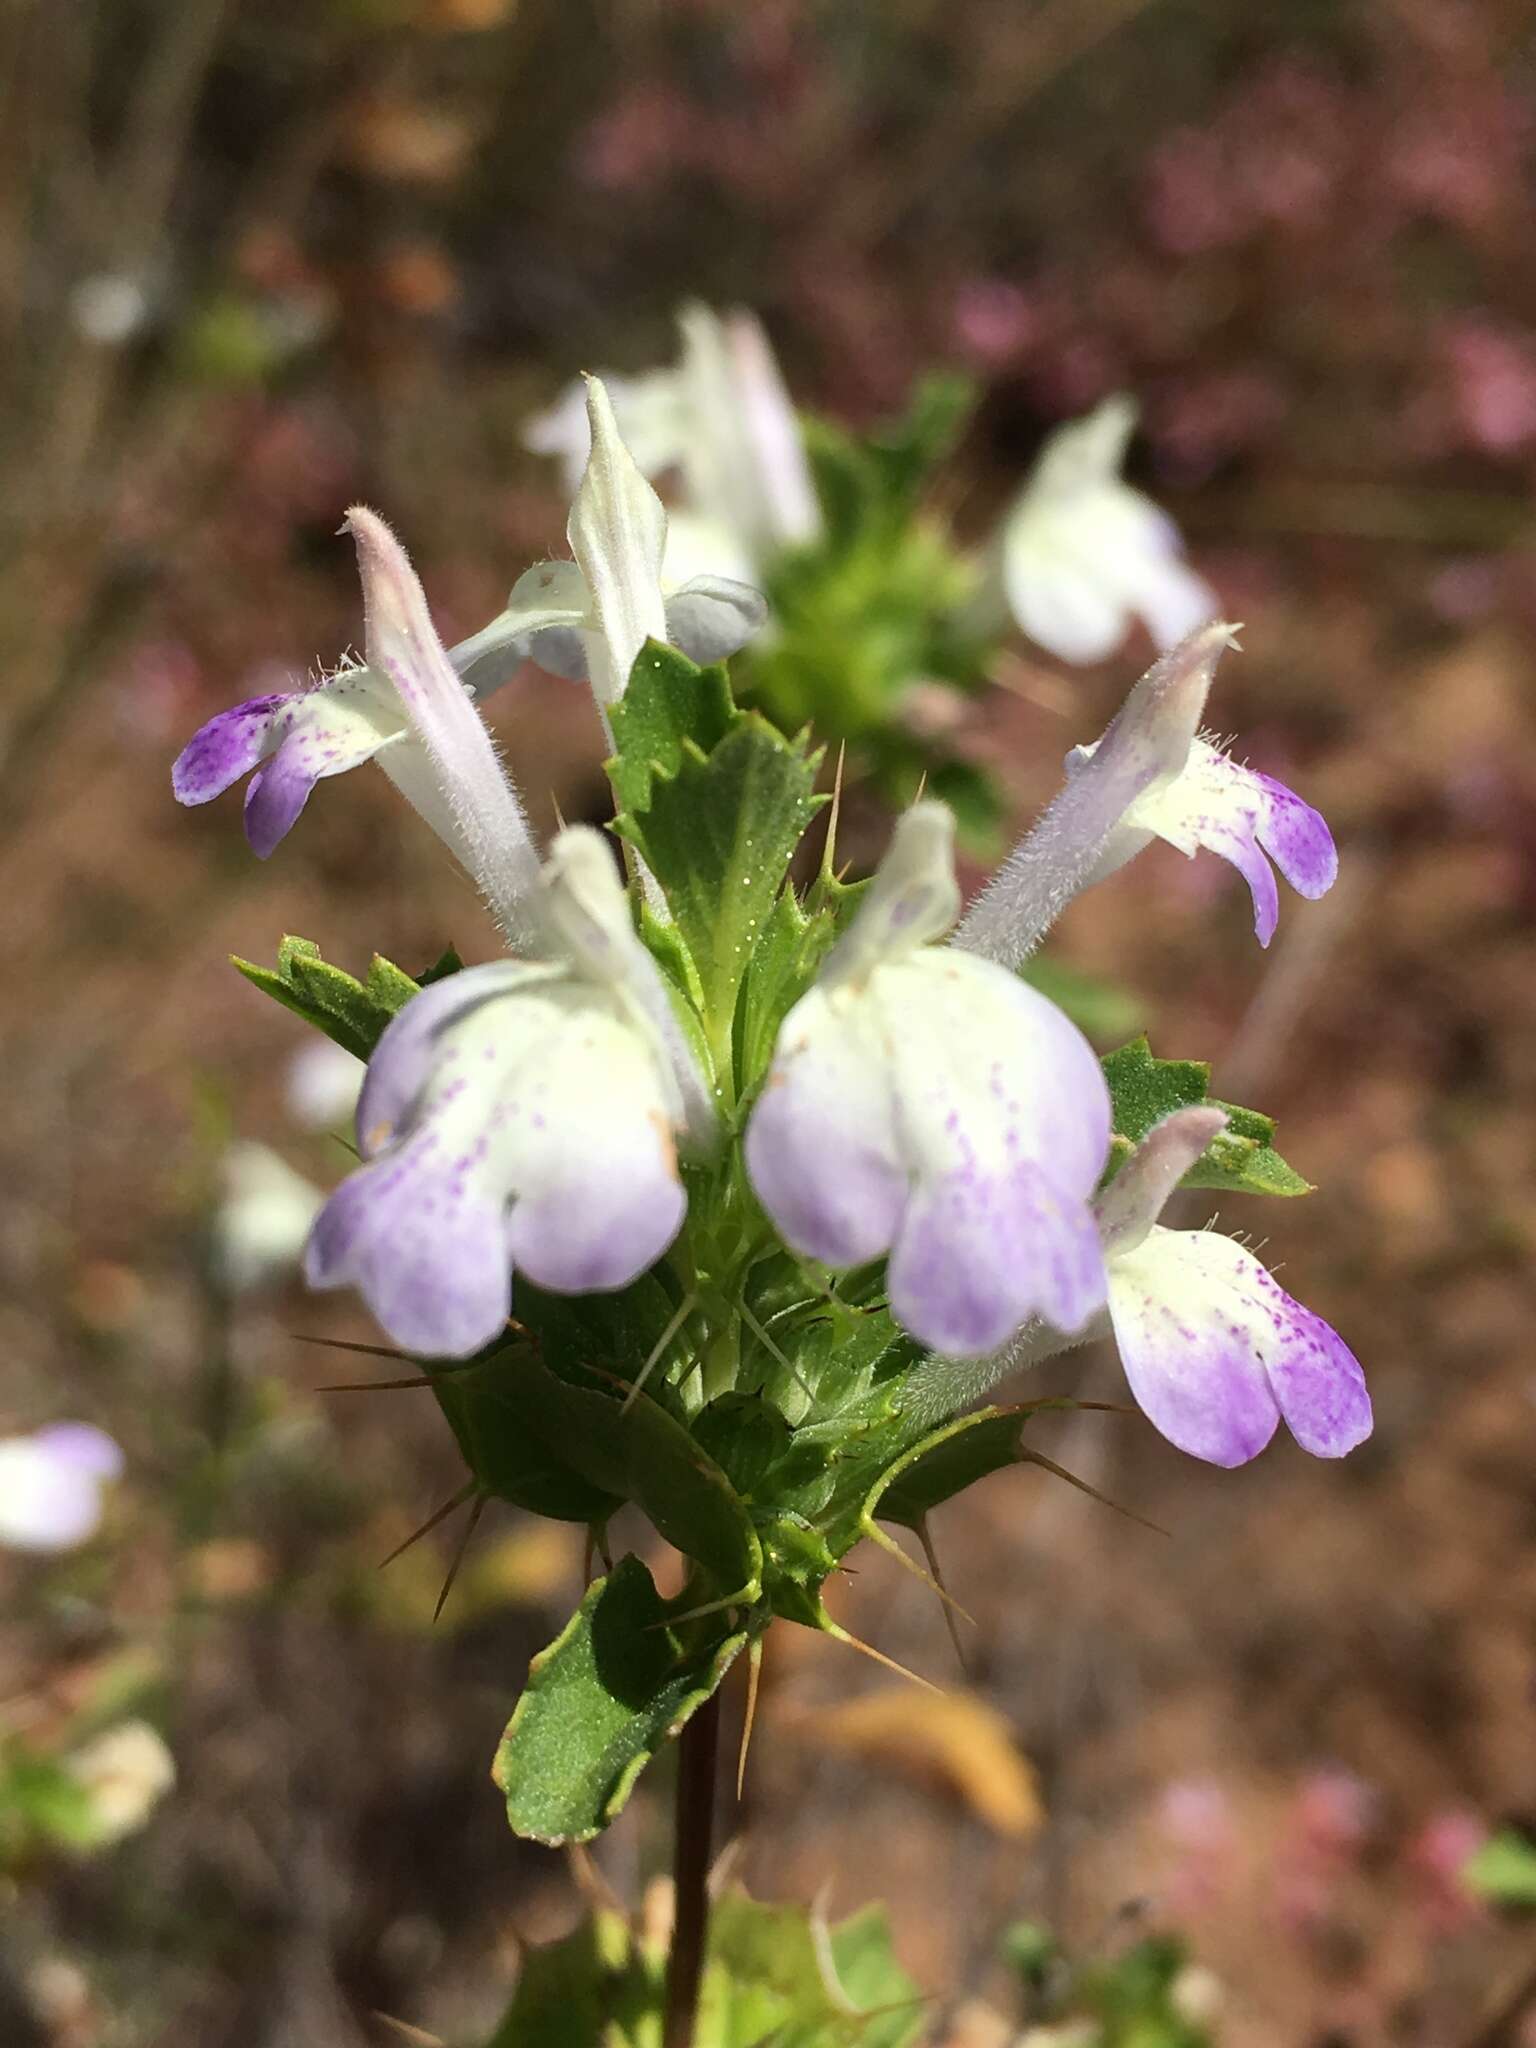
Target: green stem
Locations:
point(697, 1756)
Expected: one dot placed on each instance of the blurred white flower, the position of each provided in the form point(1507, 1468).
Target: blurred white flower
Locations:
point(51, 1486)
point(1081, 554)
point(324, 1080)
point(263, 1220)
point(125, 1773)
point(108, 309)
point(722, 419)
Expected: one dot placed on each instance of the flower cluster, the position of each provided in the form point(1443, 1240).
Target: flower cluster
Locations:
point(577, 1112)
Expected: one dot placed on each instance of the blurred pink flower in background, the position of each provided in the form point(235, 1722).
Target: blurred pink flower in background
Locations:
point(1491, 372)
point(1329, 1825)
point(1197, 1824)
point(994, 322)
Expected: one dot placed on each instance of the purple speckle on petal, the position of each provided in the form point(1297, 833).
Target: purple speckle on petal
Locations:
point(226, 748)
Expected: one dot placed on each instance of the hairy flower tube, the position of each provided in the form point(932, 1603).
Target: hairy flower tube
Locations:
point(722, 419)
point(1081, 554)
point(1215, 1350)
point(925, 1103)
point(52, 1485)
point(1150, 775)
point(587, 618)
point(517, 1114)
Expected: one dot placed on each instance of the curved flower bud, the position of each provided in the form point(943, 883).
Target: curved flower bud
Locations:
point(1219, 804)
point(51, 1486)
point(1082, 554)
point(925, 1103)
point(516, 1115)
point(1215, 1350)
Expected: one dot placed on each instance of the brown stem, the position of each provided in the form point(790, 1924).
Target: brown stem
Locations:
point(697, 1753)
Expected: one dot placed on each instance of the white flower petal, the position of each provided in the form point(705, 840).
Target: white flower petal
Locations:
point(617, 533)
point(1082, 554)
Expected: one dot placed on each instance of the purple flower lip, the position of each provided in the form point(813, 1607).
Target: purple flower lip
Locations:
point(518, 1115)
point(1215, 1350)
point(929, 1105)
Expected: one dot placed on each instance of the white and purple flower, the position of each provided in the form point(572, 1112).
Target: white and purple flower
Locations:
point(52, 1486)
point(519, 1114)
point(586, 619)
point(1152, 776)
point(1215, 1350)
point(1232, 810)
point(928, 1104)
point(1081, 554)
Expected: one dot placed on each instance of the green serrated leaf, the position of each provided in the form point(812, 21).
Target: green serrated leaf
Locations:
point(668, 705)
point(1242, 1160)
point(789, 950)
point(612, 1686)
point(353, 1013)
point(718, 833)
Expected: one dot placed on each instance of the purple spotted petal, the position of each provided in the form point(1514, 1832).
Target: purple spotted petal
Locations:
point(425, 1248)
point(978, 1254)
point(404, 1057)
point(1317, 1380)
point(226, 748)
point(1298, 839)
point(1194, 1376)
point(1215, 1350)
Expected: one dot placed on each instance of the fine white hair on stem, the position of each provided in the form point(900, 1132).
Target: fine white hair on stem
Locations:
point(1148, 740)
point(941, 1387)
point(490, 831)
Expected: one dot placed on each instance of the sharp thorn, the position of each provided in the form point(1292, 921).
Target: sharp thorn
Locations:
point(1093, 1493)
point(754, 1675)
point(864, 1649)
point(458, 1556)
point(438, 1515)
point(369, 1386)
